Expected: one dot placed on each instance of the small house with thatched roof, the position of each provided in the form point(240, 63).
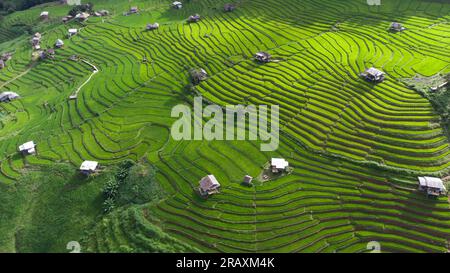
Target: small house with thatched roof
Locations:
point(374, 75)
point(8, 96)
point(247, 180)
point(28, 148)
point(177, 5)
point(73, 31)
point(229, 7)
point(36, 39)
point(59, 43)
point(194, 18)
point(263, 57)
point(152, 26)
point(198, 75)
point(88, 167)
point(134, 10)
point(44, 15)
point(6, 56)
point(433, 186)
point(396, 27)
point(208, 185)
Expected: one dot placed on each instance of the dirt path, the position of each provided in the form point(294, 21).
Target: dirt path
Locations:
point(95, 70)
point(18, 76)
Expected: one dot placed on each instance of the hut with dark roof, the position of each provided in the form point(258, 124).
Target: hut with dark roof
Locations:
point(229, 7)
point(59, 43)
point(8, 96)
point(397, 27)
point(194, 18)
point(134, 10)
point(152, 26)
point(263, 57)
point(177, 5)
point(248, 180)
point(44, 15)
point(198, 75)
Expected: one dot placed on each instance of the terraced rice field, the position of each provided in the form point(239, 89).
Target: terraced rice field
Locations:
point(356, 148)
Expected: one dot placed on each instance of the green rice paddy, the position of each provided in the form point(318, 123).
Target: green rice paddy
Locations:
point(356, 147)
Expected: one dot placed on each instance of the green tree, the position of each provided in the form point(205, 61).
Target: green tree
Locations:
point(140, 186)
point(109, 204)
point(111, 188)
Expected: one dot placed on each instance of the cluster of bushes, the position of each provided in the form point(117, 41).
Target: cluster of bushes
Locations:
point(131, 184)
point(20, 29)
point(9, 6)
point(81, 8)
point(111, 189)
point(441, 103)
point(439, 99)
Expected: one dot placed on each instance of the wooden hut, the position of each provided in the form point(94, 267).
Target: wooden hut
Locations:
point(73, 31)
point(88, 167)
point(247, 180)
point(397, 27)
point(229, 7)
point(59, 43)
point(194, 18)
point(152, 26)
point(6, 56)
point(208, 185)
point(278, 165)
point(177, 5)
point(8, 96)
point(28, 148)
point(263, 57)
point(374, 75)
point(44, 15)
point(36, 39)
point(134, 10)
point(433, 186)
point(198, 75)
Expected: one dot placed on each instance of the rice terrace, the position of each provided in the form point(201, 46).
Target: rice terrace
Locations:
point(354, 92)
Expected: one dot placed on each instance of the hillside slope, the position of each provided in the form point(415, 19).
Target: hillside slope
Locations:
point(356, 148)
